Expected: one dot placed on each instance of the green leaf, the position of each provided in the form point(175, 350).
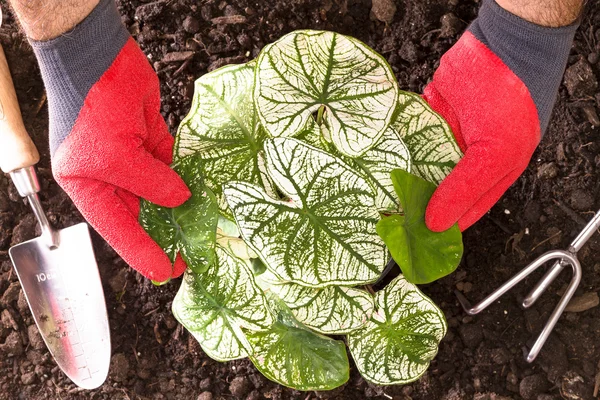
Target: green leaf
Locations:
point(214, 306)
point(189, 229)
point(397, 344)
point(305, 70)
point(375, 164)
point(423, 255)
point(332, 310)
point(325, 233)
point(433, 150)
point(292, 355)
point(222, 130)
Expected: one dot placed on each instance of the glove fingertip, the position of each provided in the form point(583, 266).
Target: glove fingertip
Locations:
point(435, 218)
point(179, 267)
point(174, 191)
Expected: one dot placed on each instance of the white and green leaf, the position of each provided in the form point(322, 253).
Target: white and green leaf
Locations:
point(190, 229)
point(402, 337)
point(433, 149)
point(333, 310)
point(294, 356)
point(376, 164)
point(215, 305)
point(306, 70)
point(223, 131)
point(325, 233)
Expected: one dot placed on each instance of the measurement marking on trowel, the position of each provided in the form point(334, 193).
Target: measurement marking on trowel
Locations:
point(70, 326)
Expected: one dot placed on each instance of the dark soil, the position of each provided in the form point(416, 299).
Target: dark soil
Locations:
point(481, 356)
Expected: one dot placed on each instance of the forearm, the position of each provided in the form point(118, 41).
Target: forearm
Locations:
point(48, 19)
point(550, 13)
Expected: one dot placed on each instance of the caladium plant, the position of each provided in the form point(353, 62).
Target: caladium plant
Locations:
point(309, 151)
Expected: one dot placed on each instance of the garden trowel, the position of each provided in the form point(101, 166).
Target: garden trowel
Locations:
point(57, 271)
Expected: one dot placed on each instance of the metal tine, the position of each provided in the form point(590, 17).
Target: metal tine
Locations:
point(563, 257)
point(557, 268)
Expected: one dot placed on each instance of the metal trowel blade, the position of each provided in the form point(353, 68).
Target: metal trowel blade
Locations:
point(64, 292)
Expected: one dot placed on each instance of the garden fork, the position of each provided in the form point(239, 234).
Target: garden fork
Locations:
point(563, 259)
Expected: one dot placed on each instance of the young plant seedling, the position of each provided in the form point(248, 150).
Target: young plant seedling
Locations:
point(298, 147)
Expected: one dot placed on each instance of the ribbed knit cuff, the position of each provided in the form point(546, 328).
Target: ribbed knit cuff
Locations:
point(72, 63)
point(536, 54)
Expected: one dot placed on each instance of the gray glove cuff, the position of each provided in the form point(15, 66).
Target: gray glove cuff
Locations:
point(73, 62)
point(536, 54)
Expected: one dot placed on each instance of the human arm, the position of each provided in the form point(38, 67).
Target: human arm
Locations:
point(497, 87)
point(109, 144)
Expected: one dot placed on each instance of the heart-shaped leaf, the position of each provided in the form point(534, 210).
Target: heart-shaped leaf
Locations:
point(189, 229)
point(397, 344)
point(375, 164)
point(424, 256)
point(325, 233)
point(294, 356)
point(222, 130)
point(433, 150)
point(214, 306)
point(332, 310)
point(305, 70)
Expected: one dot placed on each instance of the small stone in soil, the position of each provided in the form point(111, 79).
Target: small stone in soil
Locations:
point(205, 396)
point(13, 344)
point(35, 339)
point(408, 51)
point(500, 356)
point(119, 367)
point(28, 378)
point(239, 386)
point(581, 200)
point(254, 395)
point(580, 79)
point(583, 302)
point(590, 114)
point(547, 171)
point(205, 384)
point(451, 25)
point(191, 24)
point(117, 282)
point(147, 12)
point(471, 335)
point(384, 10)
point(554, 235)
point(11, 294)
point(532, 385)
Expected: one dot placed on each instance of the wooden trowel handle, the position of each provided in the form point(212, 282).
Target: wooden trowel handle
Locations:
point(16, 147)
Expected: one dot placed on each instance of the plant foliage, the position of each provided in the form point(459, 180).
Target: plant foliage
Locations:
point(298, 148)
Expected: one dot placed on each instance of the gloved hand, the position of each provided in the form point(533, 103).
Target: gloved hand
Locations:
point(496, 87)
point(109, 143)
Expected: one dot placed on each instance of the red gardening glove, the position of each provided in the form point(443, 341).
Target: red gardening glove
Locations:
point(109, 143)
point(118, 151)
point(495, 123)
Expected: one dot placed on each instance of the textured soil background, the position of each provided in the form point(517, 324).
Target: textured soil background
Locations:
point(480, 358)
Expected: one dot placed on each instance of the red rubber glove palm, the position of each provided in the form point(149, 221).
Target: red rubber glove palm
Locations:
point(109, 143)
point(495, 123)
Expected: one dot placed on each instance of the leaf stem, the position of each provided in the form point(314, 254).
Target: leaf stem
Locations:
point(320, 115)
